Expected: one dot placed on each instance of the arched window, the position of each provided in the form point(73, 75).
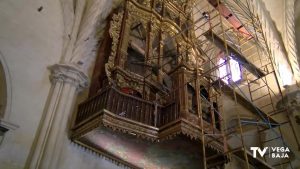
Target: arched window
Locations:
point(225, 69)
point(3, 92)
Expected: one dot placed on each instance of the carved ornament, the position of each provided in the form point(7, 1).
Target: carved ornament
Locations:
point(114, 31)
point(68, 74)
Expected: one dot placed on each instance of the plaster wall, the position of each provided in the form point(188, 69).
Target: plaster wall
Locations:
point(77, 157)
point(297, 24)
point(30, 41)
point(276, 10)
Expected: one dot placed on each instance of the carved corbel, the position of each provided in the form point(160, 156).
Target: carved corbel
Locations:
point(69, 74)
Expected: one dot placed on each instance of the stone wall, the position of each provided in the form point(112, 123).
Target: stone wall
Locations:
point(31, 39)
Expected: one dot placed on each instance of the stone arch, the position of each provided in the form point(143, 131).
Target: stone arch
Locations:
point(297, 25)
point(5, 89)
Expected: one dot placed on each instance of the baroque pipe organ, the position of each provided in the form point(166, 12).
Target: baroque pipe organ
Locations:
point(148, 88)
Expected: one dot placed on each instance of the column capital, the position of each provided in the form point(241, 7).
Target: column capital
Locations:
point(68, 74)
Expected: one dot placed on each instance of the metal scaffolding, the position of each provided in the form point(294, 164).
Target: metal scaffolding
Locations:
point(206, 63)
point(229, 29)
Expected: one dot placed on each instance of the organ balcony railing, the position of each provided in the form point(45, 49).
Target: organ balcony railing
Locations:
point(127, 106)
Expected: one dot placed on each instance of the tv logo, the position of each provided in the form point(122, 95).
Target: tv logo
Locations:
point(261, 152)
point(274, 152)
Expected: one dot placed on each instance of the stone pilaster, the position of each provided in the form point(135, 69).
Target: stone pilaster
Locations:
point(67, 81)
point(290, 38)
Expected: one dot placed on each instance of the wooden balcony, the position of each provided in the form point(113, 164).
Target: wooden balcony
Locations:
point(114, 112)
point(127, 106)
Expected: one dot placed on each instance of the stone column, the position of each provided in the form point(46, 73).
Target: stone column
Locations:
point(67, 81)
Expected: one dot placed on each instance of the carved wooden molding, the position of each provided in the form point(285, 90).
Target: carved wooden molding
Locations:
point(114, 31)
point(124, 125)
point(109, 120)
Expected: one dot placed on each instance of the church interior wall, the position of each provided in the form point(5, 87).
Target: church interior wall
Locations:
point(31, 39)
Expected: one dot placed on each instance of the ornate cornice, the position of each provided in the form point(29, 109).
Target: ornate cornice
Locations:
point(105, 119)
point(116, 123)
point(68, 74)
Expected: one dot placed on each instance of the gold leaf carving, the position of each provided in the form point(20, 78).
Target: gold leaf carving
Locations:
point(114, 32)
